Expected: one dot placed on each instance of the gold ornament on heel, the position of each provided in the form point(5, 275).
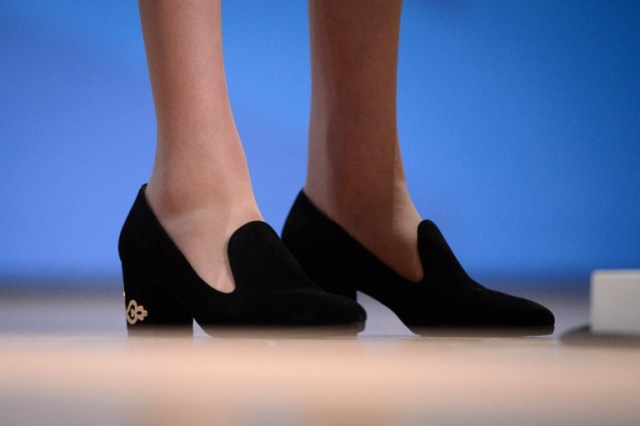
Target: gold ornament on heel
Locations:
point(135, 312)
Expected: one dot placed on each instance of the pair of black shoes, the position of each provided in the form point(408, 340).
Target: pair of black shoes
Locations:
point(307, 280)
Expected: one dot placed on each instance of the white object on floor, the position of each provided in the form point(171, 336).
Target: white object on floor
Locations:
point(615, 301)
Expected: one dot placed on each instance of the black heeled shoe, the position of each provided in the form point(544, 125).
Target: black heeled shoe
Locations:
point(446, 297)
point(271, 289)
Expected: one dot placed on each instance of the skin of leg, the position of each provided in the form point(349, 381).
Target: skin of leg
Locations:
point(200, 188)
point(355, 173)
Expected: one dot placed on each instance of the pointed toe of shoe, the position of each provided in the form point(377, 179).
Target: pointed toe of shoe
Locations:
point(537, 315)
point(321, 308)
point(484, 313)
point(503, 310)
point(520, 312)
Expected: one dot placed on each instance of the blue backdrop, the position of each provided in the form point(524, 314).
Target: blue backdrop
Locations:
point(519, 124)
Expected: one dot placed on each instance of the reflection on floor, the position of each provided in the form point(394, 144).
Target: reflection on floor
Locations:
point(65, 359)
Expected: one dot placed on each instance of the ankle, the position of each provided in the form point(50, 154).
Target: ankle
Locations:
point(357, 199)
point(176, 197)
point(200, 169)
point(200, 221)
point(385, 223)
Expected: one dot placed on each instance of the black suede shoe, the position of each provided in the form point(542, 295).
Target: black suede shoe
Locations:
point(446, 297)
point(271, 289)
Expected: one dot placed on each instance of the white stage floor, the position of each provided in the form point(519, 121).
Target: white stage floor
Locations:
point(65, 359)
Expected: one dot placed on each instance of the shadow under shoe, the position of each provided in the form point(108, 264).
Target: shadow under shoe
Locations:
point(271, 290)
point(445, 299)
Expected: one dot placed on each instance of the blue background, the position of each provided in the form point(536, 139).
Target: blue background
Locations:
point(519, 123)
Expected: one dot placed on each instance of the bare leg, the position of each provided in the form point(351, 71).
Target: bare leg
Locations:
point(200, 188)
point(355, 172)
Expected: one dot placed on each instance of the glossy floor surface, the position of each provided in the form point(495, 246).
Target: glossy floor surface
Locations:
point(65, 359)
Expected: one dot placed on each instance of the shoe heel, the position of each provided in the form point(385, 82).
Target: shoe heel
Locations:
point(150, 308)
